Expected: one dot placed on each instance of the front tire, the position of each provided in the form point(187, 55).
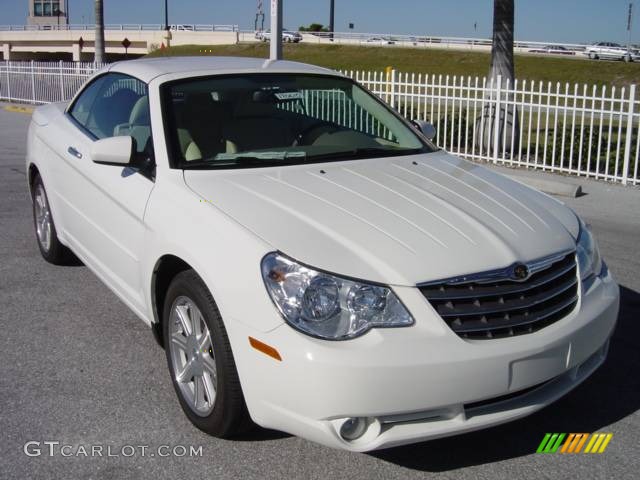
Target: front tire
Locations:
point(200, 359)
point(46, 234)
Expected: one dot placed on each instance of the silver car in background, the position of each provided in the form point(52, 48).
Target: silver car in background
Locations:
point(611, 51)
point(287, 36)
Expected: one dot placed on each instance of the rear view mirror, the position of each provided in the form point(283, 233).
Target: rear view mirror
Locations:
point(116, 151)
point(427, 128)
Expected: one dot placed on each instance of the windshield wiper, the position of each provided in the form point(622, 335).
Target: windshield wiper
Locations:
point(247, 160)
point(367, 152)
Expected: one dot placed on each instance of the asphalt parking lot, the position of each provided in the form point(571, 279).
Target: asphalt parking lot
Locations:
point(77, 367)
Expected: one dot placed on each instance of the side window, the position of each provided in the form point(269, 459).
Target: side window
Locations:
point(121, 107)
point(82, 106)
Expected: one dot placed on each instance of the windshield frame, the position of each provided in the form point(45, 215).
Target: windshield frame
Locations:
point(172, 143)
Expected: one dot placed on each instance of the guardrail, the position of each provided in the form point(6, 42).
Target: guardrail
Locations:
point(416, 41)
point(573, 129)
point(337, 37)
point(428, 40)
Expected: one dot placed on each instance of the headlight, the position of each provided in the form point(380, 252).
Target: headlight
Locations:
point(589, 260)
point(328, 306)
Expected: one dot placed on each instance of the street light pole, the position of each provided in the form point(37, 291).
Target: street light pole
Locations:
point(166, 14)
point(275, 49)
point(629, 21)
point(332, 16)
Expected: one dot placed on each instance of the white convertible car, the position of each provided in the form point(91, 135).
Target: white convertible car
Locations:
point(310, 261)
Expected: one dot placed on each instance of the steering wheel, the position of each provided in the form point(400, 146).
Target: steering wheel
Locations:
point(305, 137)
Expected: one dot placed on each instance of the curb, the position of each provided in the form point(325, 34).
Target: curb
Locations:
point(17, 109)
point(550, 186)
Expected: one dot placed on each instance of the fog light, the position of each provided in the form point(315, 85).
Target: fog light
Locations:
point(353, 428)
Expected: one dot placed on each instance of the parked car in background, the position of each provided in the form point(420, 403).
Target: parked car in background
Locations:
point(344, 281)
point(611, 51)
point(182, 28)
point(288, 36)
point(380, 41)
point(553, 50)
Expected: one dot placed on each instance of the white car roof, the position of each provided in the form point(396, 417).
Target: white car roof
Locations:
point(146, 69)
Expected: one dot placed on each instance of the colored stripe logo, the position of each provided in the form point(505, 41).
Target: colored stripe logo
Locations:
point(574, 443)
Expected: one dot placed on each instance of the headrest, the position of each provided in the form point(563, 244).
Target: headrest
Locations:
point(140, 114)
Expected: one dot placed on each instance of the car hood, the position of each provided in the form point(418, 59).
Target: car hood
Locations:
point(399, 220)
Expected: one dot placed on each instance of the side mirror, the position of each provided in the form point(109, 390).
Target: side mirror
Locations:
point(117, 151)
point(427, 129)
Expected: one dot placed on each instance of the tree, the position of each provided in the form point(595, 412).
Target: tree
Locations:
point(314, 27)
point(502, 47)
point(502, 70)
point(99, 41)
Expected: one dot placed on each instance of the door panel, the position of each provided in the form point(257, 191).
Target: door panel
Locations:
point(104, 205)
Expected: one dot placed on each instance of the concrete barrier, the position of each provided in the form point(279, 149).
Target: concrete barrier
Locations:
point(26, 45)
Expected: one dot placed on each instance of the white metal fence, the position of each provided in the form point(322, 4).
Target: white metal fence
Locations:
point(575, 129)
point(43, 82)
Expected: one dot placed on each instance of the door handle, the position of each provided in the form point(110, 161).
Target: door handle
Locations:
point(74, 152)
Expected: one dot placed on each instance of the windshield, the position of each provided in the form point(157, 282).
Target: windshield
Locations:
point(260, 120)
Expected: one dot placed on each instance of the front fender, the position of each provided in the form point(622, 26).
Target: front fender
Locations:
point(224, 253)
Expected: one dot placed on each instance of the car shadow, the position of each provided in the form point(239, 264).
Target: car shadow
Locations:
point(258, 434)
point(609, 395)
point(73, 260)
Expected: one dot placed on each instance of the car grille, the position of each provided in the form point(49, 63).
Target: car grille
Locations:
point(485, 306)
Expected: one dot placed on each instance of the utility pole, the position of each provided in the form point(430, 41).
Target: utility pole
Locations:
point(259, 22)
point(332, 16)
point(167, 30)
point(275, 49)
point(166, 14)
point(629, 21)
point(99, 40)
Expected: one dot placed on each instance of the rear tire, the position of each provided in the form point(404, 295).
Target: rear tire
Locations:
point(46, 234)
point(200, 360)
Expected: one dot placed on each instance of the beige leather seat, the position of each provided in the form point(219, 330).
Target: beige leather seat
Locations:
point(190, 151)
point(203, 117)
point(256, 126)
point(139, 125)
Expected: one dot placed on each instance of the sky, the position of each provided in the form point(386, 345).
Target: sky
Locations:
point(542, 20)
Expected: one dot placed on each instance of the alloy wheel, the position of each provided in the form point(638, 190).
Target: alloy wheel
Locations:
point(42, 217)
point(192, 356)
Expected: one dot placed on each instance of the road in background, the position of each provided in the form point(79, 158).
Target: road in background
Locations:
point(76, 366)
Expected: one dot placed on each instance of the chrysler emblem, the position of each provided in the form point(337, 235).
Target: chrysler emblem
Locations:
point(520, 272)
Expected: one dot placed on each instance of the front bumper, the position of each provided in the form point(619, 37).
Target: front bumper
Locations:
point(421, 382)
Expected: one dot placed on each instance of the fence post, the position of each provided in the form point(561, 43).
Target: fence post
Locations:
point(392, 86)
point(33, 84)
point(61, 82)
point(8, 63)
point(496, 120)
point(627, 142)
